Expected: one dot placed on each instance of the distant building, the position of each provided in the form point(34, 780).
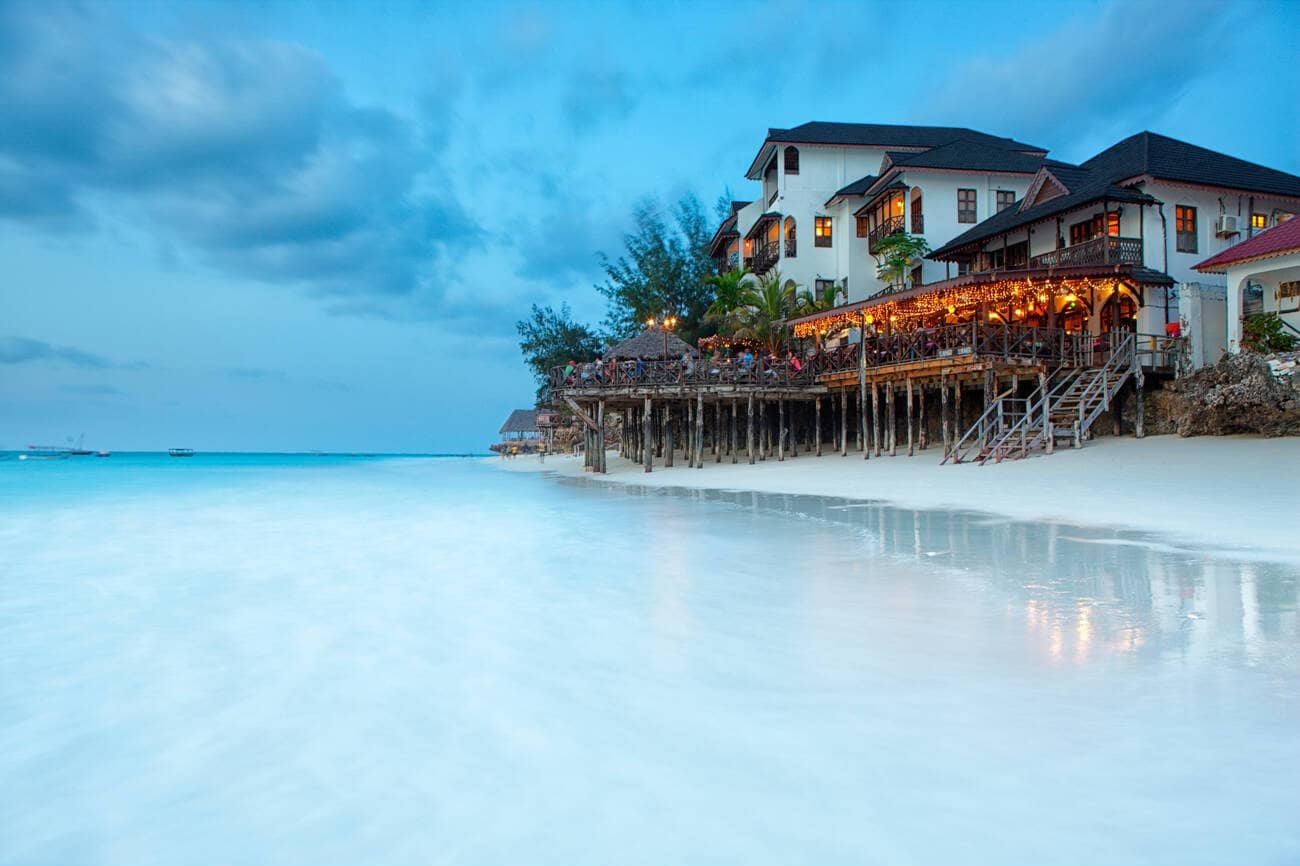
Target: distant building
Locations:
point(1268, 264)
point(522, 424)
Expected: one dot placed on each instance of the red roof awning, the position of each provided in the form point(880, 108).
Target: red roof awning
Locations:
point(1277, 241)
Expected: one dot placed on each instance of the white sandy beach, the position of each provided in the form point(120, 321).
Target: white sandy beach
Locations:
point(1237, 491)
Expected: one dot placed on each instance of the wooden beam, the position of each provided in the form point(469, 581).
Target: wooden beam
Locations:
point(780, 431)
point(749, 430)
point(875, 417)
point(817, 427)
point(922, 434)
point(733, 445)
point(577, 410)
point(844, 422)
point(911, 449)
point(945, 422)
point(648, 429)
point(601, 467)
point(699, 430)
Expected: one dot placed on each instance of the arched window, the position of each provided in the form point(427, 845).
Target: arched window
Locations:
point(792, 160)
point(1128, 311)
point(918, 218)
point(791, 245)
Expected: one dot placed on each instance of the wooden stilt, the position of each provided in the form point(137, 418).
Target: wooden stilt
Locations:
point(1139, 421)
point(717, 432)
point(600, 438)
point(670, 446)
point(922, 433)
point(648, 415)
point(749, 430)
point(990, 389)
point(844, 422)
point(875, 418)
point(911, 450)
point(891, 410)
point(762, 430)
point(817, 426)
point(944, 421)
point(780, 430)
point(732, 443)
point(1049, 438)
point(699, 429)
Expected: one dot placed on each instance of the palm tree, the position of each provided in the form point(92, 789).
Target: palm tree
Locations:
point(896, 254)
point(727, 288)
point(762, 310)
point(810, 302)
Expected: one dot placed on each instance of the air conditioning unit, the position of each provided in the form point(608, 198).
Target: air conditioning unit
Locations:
point(1227, 225)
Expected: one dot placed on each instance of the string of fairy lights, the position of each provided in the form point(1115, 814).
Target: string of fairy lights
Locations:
point(1009, 300)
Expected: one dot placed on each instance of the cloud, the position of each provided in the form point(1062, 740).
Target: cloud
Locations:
point(1070, 86)
point(598, 94)
point(98, 390)
point(22, 350)
point(249, 153)
point(256, 374)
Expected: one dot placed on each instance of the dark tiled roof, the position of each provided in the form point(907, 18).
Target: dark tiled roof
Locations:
point(1277, 241)
point(858, 187)
point(970, 156)
point(728, 225)
point(887, 135)
point(520, 421)
point(1144, 154)
point(1170, 159)
point(883, 135)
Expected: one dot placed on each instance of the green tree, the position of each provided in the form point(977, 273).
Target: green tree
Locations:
point(763, 309)
point(1266, 333)
point(727, 289)
point(550, 338)
point(895, 256)
point(662, 269)
point(809, 301)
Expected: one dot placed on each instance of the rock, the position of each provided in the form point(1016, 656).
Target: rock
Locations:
point(1243, 393)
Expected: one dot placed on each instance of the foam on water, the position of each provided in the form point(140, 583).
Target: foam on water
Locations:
point(307, 660)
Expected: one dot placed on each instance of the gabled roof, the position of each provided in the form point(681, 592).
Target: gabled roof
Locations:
point(1164, 158)
point(1277, 241)
point(520, 421)
point(858, 187)
point(968, 155)
point(1104, 176)
point(883, 135)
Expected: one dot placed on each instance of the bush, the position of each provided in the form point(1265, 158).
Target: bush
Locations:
point(1266, 333)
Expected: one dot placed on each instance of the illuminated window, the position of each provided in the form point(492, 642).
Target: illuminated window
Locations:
point(965, 205)
point(822, 231)
point(1259, 220)
point(1185, 227)
point(1006, 198)
point(863, 228)
point(791, 160)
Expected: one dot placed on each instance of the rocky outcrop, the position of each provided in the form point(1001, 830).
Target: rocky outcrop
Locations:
point(1243, 393)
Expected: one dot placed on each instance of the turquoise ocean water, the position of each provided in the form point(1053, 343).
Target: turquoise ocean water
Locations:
point(313, 660)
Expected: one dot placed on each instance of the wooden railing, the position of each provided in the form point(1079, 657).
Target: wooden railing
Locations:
point(1098, 251)
point(765, 256)
point(892, 226)
point(1052, 347)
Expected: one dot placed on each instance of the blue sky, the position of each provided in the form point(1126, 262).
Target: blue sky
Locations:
point(312, 226)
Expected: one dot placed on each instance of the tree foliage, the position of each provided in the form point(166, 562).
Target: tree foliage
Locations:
point(763, 309)
point(1266, 333)
point(550, 338)
point(662, 269)
point(896, 254)
point(727, 289)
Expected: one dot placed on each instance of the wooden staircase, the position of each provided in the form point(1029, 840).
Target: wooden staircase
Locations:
point(1011, 427)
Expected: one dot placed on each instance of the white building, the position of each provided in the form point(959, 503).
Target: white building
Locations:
point(1130, 224)
point(1268, 262)
point(826, 186)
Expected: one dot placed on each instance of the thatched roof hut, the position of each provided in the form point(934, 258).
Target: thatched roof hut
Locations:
point(521, 423)
point(650, 344)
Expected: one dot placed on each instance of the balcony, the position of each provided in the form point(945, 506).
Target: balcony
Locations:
point(791, 248)
point(892, 226)
point(765, 256)
point(1098, 251)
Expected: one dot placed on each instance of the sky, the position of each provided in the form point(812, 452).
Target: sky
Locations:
point(312, 226)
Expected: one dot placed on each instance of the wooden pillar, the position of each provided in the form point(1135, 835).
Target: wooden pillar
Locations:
point(600, 438)
point(780, 430)
point(911, 448)
point(891, 419)
point(717, 431)
point(669, 445)
point(1139, 423)
point(922, 433)
point(1049, 437)
point(749, 430)
point(875, 417)
point(945, 423)
point(957, 430)
point(989, 385)
point(844, 422)
point(817, 426)
point(648, 416)
point(762, 429)
point(699, 429)
point(732, 443)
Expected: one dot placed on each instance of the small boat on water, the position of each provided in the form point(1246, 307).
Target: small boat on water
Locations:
point(180, 452)
point(103, 453)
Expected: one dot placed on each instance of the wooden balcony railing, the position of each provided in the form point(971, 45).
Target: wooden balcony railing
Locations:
point(1098, 251)
point(765, 256)
point(918, 223)
point(1051, 347)
point(892, 226)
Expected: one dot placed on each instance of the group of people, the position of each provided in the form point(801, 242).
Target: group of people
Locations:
point(720, 366)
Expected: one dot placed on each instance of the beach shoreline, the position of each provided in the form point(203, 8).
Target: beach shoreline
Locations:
point(1229, 492)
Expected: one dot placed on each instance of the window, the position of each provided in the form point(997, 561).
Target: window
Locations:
point(1185, 227)
point(822, 231)
point(918, 215)
point(965, 205)
point(1088, 229)
point(1259, 220)
point(791, 160)
point(917, 275)
point(1288, 296)
point(821, 287)
point(862, 227)
point(791, 245)
point(963, 268)
point(1006, 198)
